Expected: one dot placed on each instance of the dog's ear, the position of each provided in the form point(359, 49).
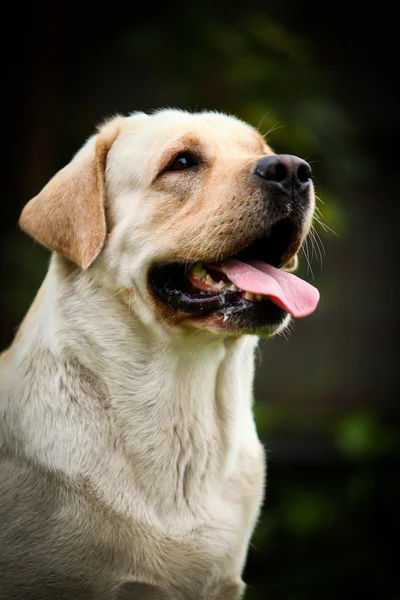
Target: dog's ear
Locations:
point(68, 215)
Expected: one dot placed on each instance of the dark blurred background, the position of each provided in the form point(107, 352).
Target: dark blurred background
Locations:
point(321, 78)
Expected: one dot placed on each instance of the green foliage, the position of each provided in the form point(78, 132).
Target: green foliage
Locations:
point(360, 436)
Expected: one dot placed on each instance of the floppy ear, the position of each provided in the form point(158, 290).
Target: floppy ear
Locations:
point(68, 216)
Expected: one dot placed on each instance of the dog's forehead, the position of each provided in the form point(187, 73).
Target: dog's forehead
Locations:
point(213, 128)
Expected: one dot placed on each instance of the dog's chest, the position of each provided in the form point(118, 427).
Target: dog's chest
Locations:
point(203, 545)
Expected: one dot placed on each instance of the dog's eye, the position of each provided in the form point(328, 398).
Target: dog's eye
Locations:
point(183, 161)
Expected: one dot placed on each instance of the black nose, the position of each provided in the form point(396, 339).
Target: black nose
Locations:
point(289, 171)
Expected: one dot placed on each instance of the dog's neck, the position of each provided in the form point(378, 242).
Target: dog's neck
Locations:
point(182, 407)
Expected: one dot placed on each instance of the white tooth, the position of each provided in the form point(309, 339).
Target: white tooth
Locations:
point(249, 296)
point(233, 287)
point(225, 318)
point(221, 284)
point(209, 280)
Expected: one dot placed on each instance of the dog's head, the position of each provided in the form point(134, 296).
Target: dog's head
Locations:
point(192, 216)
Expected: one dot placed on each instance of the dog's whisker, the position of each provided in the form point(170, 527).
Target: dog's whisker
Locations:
point(118, 292)
point(319, 241)
point(318, 218)
point(312, 242)
point(284, 334)
point(316, 243)
point(272, 129)
point(306, 255)
point(324, 226)
point(317, 211)
point(262, 119)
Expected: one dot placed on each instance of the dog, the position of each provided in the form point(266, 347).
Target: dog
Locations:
point(131, 466)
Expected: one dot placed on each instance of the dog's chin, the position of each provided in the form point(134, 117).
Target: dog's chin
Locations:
point(264, 319)
point(201, 295)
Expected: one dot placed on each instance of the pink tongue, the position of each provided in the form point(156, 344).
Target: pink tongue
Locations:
point(287, 291)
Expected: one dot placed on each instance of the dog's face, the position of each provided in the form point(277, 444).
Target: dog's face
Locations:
point(198, 212)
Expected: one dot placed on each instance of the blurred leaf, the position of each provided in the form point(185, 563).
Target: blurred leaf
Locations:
point(361, 436)
point(305, 512)
point(273, 36)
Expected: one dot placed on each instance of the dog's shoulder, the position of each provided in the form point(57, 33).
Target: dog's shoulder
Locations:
point(46, 396)
point(50, 406)
point(45, 535)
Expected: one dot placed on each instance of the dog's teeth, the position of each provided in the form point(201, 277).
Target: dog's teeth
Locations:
point(225, 318)
point(198, 271)
point(259, 297)
point(209, 280)
point(249, 296)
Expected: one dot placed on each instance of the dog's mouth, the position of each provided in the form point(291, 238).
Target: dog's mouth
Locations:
point(250, 279)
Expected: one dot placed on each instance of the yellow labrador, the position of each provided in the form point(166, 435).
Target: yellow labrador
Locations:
point(131, 463)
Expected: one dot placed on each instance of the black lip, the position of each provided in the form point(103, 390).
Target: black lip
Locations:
point(167, 283)
point(254, 317)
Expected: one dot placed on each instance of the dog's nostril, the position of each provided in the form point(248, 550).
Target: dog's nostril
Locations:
point(304, 172)
point(281, 172)
point(271, 168)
